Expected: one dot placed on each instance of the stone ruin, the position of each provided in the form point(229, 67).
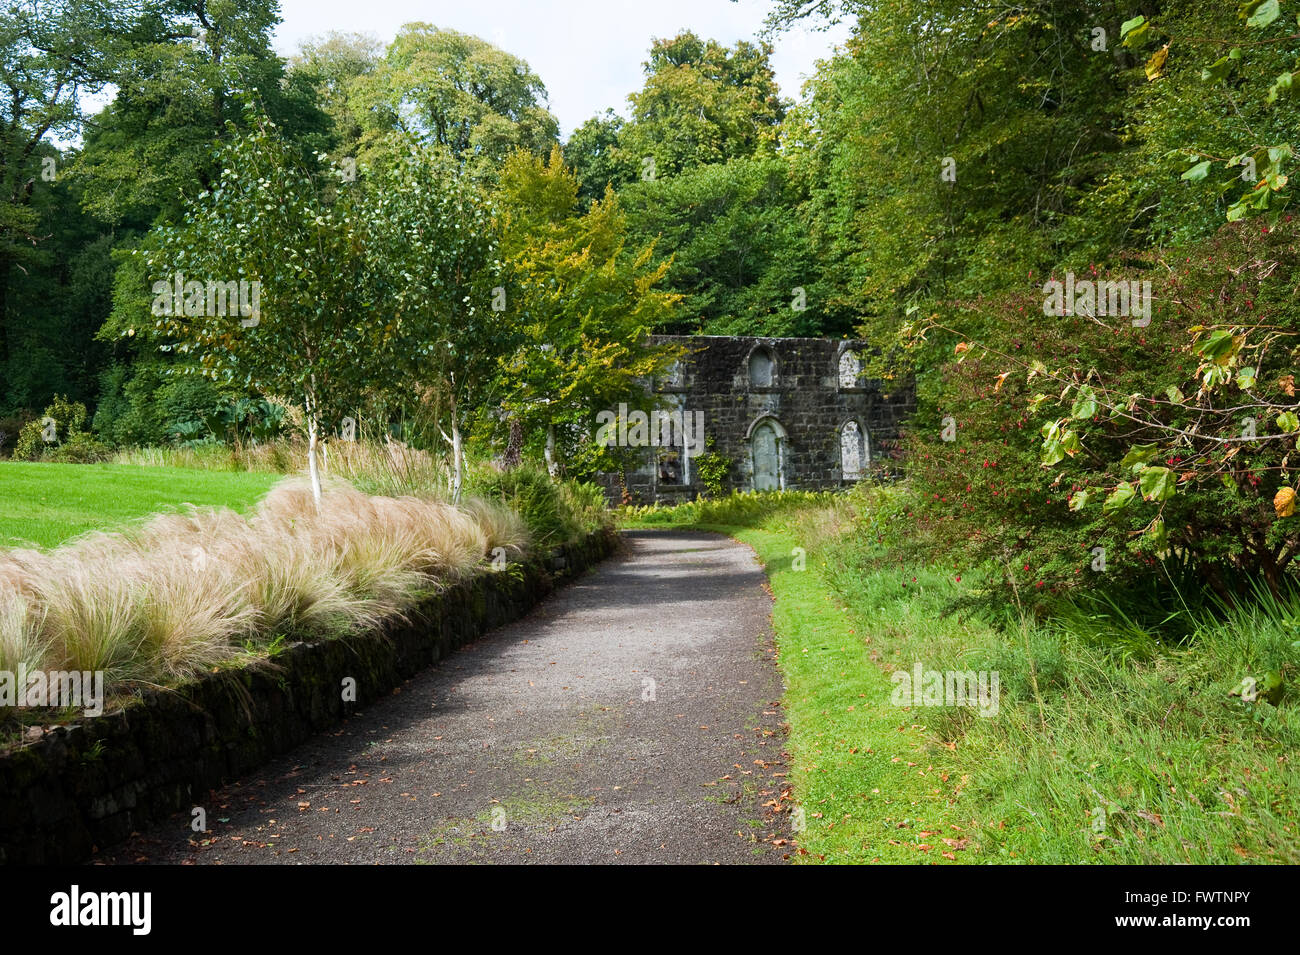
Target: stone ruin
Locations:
point(787, 413)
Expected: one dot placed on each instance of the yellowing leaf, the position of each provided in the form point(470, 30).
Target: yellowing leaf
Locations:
point(1284, 502)
point(1156, 65)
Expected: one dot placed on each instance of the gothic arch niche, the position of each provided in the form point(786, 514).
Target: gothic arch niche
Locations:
point(850, 368)
point(767, 443)
point(855, 450)
point(761, 367)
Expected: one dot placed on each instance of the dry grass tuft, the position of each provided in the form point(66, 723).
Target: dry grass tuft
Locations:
point(184, 592)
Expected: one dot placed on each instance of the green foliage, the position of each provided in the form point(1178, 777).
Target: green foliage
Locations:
point(593, 153)
point(150, 403)
point(51, 54)
point(556, 512)
point(456, 92)
point(80, 448)
point(580, 300)
point(245, 420)
point(274, 219)
point(54, 298)
point(949, 168)
point(741, 259)
point(333, 66)
point(318, 258)
point(737, 508)
point(702, 103)
point(1022, 141)
point(432, 265)
point(30, 445)
point(59, 435)
point(176, 101)
point(1144, 436)
point(713, 468)
point(1210, 108)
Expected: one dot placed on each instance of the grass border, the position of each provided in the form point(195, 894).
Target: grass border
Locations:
point(865, 772)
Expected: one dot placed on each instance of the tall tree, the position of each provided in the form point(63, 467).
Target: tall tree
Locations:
point(332, 65)
point(740, 252)
point(155, 142)
point(582, 299)
point(432, 238)
point(180, 76)
point(946, 150)
point(265, 284)
point(594, 155)
point(701, 103)
point(458, 92)
point(52, 54)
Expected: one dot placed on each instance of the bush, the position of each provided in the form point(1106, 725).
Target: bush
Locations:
point(80, 448)
point(556, 512)
point(713, 467)
point(150, 403)
point(184, 399)
point(1042, 412)
point(62, 422)
point(126, 413)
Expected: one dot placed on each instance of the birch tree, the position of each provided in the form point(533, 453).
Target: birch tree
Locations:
point(267, 283)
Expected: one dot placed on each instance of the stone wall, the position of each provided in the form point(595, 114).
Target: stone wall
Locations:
point(811, 396)
point(91, 783)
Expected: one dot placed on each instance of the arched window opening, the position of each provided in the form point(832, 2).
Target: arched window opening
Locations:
point(853, 451)
point(850, 369)
point(762, 369)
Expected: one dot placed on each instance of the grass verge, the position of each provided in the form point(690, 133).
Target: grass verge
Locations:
point(1096, 753)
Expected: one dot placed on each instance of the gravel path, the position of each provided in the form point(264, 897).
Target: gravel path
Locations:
point(632, 717)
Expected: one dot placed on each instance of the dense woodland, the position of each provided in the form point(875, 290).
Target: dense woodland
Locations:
point(928, 180)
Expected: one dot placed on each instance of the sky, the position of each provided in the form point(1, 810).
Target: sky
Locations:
point(587, 52)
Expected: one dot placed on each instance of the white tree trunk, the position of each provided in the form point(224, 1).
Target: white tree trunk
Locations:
point(552, 465)
point(311, 459)
point(312, 407)
point(457, 455)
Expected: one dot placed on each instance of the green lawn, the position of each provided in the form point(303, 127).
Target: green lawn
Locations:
point(46, 504)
